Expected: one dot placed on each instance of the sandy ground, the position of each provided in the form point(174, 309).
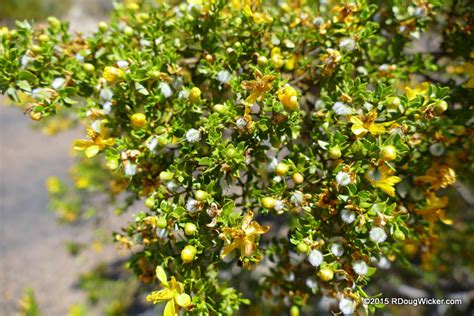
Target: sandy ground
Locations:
point(32, 251)
point(32, 248)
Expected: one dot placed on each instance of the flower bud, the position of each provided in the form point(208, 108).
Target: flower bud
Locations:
point(166, 176)
point(398, 235)
point(150, 202)
point(161, 222)
point(188, 253)
point(388, 153)
point(302, 247)
point(36, 116)
point(138, 120)
point(128, 31)
point(268, 202)
point(195, 95)
point(262, 60)
point(54, 22)
point(113, 74)
point(281, 169)
point(103, 26)
point(44, 38)
point(288, 97)
point(36, 48)
point(209, 58)
point(219, 108)
point(132, 6)
point(277, 61)
point(190, 229)
point(294, 311)
point(440, 107)
point(201, 195)
point(335, 152)
point(298, 178)
point(89, 68)
point(230, 152)
point(326, 274)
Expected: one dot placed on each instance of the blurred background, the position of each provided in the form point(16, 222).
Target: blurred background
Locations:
point(33, 252)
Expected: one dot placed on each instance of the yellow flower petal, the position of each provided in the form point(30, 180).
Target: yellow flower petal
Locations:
point(82, 144)
point(183, 300)
point(161, 296)
point(92, 151)
point(247, 247)
point(109, 141)
point(390, 190)
point(256, 229)
point(260, 18)
point(358, 130)
point(161, 275)
point(229, 248)
point(376, 129)
point(247, 219)
point(170, 309)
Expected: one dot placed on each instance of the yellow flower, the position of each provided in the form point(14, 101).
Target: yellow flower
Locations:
point(124, 241)
point(113, 74)
point(421, 89)
point(173, 294)
point(434, 209)
point(54, 185)
point(382, 178)
point(330, 61)
point(81, 182)
point(288, 97)
point(138, 120)
point(344, 14)
point(96, 143)
point(4, 32)
point(366, 124)
point(258, 87)
point(438, 177)
point(244, 237)
point(276, 57)
point(251, 6)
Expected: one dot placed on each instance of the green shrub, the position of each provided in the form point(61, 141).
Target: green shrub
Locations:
point(283, 153)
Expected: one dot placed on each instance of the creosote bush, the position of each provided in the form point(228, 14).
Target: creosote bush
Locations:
point(284, 153)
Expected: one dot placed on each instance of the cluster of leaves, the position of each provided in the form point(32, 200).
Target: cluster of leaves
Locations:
point(28, 304)
point(221, 116)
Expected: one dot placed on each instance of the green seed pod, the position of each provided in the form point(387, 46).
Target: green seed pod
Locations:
point(298, 178)
point(162, 222)
point(335, 152)
point(440, 107)
point(302, 247)
point(398, 235)
point(190, 229)
point(103, 26)
point(54, 22)
point(128, 31)
point(166, 176)
point(388, 153)
point(201, 195)
point(195, 95)
point(150, 202)
point(326, 274)
point(89, 68)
